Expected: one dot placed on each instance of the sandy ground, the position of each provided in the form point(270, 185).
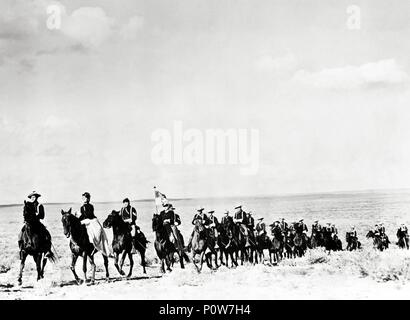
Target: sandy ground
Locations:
point(344, 275)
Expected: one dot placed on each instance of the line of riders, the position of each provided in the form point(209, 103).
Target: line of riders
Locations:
point(235, 237)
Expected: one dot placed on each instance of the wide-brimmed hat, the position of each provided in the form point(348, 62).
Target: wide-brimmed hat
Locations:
point(86, 194)
point(238, 207)
point(212, 211)
point(200, 208)
point(34, 193)
point(260, 219)
point(126, 200)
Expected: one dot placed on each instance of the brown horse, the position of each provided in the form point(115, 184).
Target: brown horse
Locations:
point(80, 245)
point(202, 244)
point(36, 241)
point(164, 247)
point(122, 242)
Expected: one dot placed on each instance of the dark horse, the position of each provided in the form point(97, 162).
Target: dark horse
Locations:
point(123, 241)
point(402, 240)
point(202, 244)
point(164, 247)
point(379, 242)
point(352, 243)
point(228, 245)
point(36, 241)
point(80, 245)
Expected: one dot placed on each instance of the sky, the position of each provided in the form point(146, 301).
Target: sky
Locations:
point(78, 104)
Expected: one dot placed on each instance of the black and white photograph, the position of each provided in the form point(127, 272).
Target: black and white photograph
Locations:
point(200, 150)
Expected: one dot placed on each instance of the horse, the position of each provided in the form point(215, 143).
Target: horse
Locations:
point(290, 248)
point(228, 245)
point(262, 243)
point(122, 242)
point(402, 240)
point(379, 242)
point(316, 240)
point(276, 248)
point(80, 245)
point(245, 245)
point(300, 244)
point(352, 243)
point(164, 247)
point(202, 244)
point(36, 241)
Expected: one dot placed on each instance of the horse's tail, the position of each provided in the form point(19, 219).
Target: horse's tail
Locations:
point(52, 256)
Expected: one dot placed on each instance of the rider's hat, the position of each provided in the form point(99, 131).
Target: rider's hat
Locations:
point(200, 208)
point(261, 218)
point(212, 211)
point(238, 207)
point(249, 212)
point(34, 193)
point(301, 220)
point(226, 212)
point(87, 195)
point(126, 200)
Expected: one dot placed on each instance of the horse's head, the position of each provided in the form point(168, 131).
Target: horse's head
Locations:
point(156, 222)
point(112, 219)
point(370, 234)
point(66, 218)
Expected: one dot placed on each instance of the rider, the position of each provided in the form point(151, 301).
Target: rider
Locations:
point(226, 219)
point(129, 215)
point(202, 218)
point(351, 235)
point(250, 222)
point(284, 225)
point(212, 224)
point(334, 231)
point(302, 229)
point(32, 221)
point(241, 222)
point(316, 227)
point(402, 232)
point(168, 219)
point(260, 228)
point(95, 231)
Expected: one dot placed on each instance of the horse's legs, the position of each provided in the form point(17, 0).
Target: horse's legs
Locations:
point(117, 266)
point(162, 266)
point(131, 263)
point(37, 258)
point(181, 258)
point(107, 273)
point(85, 266)
point(23, 256)
point(201, 261)
point(43, 266)
point(142, 253)
point(93, 266)
point(74, 258)
point(124, 254)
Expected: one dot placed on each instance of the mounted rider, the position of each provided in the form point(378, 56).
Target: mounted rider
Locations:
point(227, 220)
point(241, 222)
point(260, 228)
point(316, 227)
point(201, 218)
point(302, 229)
point(129, 216)
point(95, 231)
point(402, 232)
point(32, 222)
point(168, 217)
point(212, 225)
point(284, 225)
point(351, 235)
point(276, 230)
point(250, 222)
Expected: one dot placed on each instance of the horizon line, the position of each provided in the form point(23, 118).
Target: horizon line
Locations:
point(239, 196)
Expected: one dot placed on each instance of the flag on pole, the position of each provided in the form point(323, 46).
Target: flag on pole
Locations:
point(160, 198)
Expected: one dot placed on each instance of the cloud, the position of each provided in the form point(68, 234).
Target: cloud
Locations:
point(89, 26)
point(131, 28)
point(381, 73)
point(271, 63)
